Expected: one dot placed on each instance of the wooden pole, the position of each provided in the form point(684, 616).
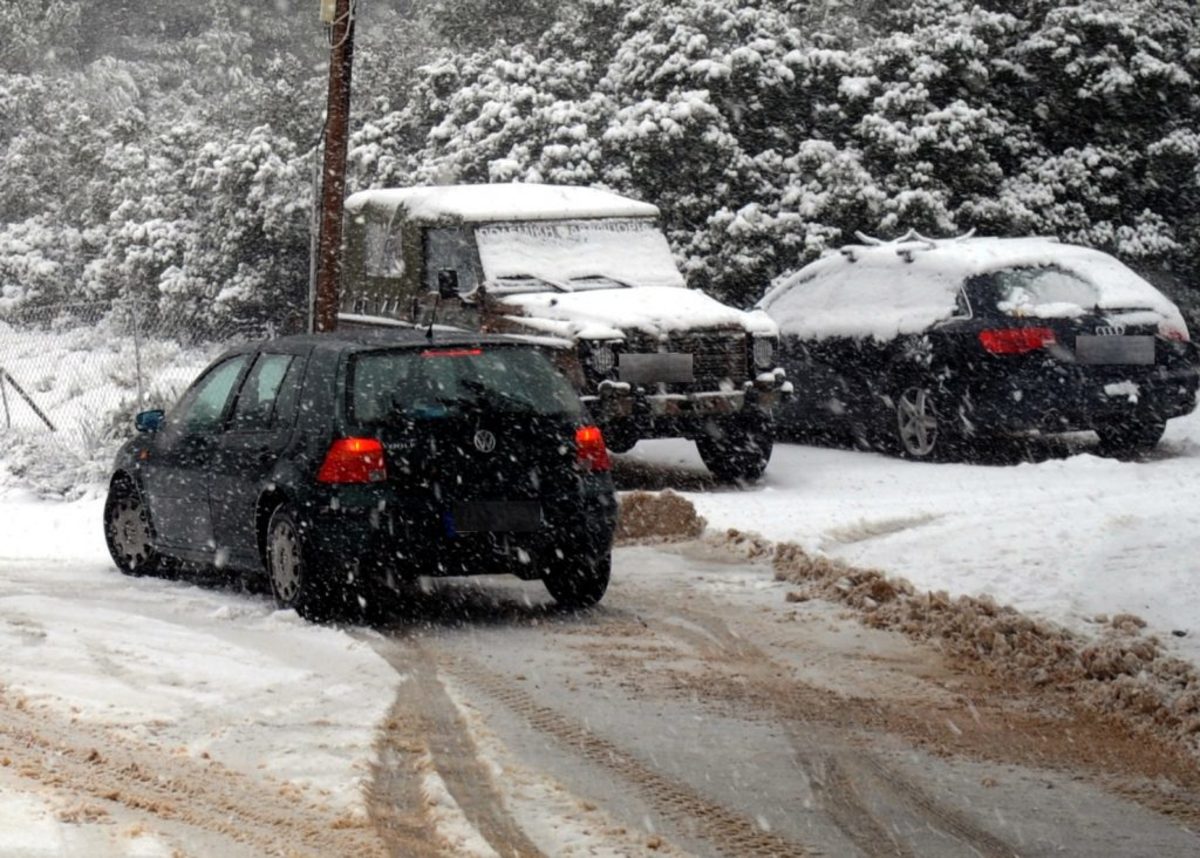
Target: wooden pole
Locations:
point(333, 185)
point(28, 400)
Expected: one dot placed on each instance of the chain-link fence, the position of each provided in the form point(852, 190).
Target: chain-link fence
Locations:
point(72, 376)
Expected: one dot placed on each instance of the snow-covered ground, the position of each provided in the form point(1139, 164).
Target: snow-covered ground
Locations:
point(1066, 539)
point(197, 673)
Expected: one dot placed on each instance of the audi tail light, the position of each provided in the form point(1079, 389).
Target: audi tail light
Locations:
point(353, 460)
point(1173, 332)
point(590, 452)
point(1016, 341)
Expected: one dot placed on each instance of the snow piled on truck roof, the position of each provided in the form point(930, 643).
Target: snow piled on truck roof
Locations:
point(904, 286)
point(501, 202)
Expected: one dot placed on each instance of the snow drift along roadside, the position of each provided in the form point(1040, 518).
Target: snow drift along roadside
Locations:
point(1120, 671)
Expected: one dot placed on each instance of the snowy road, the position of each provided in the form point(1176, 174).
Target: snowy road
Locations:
point(696, 712)
point(1067, 537)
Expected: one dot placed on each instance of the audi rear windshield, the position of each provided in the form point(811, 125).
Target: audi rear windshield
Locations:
point(445, 382)
point(1041, 292)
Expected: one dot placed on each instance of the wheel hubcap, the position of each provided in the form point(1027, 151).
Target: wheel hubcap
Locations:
point(284, 556)
point(918, 421)
point(130, 531)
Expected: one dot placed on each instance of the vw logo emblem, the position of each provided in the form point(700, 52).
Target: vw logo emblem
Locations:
point(485, 441)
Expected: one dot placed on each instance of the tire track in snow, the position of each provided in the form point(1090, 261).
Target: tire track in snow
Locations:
point(424, 718)
point(93, 763)
point(729, 832)
point(842, 775)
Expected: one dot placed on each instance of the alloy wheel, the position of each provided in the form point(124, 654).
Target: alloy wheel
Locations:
point(129, 529)
point(284, 552)
point(917, 420)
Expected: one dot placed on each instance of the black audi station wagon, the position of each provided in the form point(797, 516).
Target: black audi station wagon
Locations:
point(342, 465)
point(930, 347)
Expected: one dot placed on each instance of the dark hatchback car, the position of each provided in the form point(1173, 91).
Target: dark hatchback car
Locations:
point(928, 347)
point(342, 466)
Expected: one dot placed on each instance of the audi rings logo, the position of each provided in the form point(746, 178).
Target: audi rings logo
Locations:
point(485, 441)
point(1110, 330)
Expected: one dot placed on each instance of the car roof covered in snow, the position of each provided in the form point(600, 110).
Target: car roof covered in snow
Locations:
point(906, 285)
point(500, 202)
point(395, 337)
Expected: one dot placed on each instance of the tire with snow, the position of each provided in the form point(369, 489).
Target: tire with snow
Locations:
point(580, 583)
point(129, 534)
point(1130, 437)
point(737, 449)
point(296, 579)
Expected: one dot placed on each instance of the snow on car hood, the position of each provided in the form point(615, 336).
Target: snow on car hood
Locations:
point(608, 313)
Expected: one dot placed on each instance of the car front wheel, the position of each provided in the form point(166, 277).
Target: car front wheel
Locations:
point(295, 579)
point(128, 534)
point(737, 449)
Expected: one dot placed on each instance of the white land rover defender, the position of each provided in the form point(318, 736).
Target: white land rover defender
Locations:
point(588, 267)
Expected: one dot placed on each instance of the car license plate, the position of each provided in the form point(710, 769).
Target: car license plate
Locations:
point(1096, 350)
point(497, 516)
point(653, 367)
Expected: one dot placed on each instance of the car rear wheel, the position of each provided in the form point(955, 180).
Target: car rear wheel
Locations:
point(737, 449)
point(296, 581)
point(128, 534)
point(581, 583)
point(1130, 437)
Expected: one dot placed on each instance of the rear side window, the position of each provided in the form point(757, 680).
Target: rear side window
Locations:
point(255, 409)
point(435, 383)
point(1044, 291)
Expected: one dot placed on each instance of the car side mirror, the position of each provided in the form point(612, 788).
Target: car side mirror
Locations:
point(447, 282)
point(149, 421)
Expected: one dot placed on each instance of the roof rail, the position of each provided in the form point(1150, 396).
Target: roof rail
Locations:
point(912, 237)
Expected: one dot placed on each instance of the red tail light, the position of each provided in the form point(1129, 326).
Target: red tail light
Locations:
point(428, 353)
point(1170, 332)
point(1016, 341)
point(590, 452)
point(353, 460)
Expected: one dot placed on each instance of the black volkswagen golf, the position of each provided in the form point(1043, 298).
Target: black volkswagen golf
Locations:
point(342, 465)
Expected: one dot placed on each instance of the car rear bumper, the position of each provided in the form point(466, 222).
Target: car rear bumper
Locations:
point(1069, 402)
point(375, 533)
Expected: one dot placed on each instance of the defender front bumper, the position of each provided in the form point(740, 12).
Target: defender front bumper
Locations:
point(619, 401)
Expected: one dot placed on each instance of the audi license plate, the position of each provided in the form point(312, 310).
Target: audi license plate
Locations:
point(1096, 350)
point(497, 516)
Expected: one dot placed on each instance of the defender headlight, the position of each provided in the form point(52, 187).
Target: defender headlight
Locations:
point(764, 352)
point(602, 358)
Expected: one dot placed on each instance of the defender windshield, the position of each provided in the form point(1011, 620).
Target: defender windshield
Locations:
point(573, 255)
point(453, 381)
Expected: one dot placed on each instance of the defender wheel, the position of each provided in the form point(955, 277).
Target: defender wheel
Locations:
point(581, 584)
point(737, 450)
point(128, 534)
point(1130, 438)
point(295, 580)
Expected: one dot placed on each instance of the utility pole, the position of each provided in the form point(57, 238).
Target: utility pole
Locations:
point(339, 14)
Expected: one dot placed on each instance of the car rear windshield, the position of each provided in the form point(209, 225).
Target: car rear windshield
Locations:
point(1044, 291)
point(440, 382)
